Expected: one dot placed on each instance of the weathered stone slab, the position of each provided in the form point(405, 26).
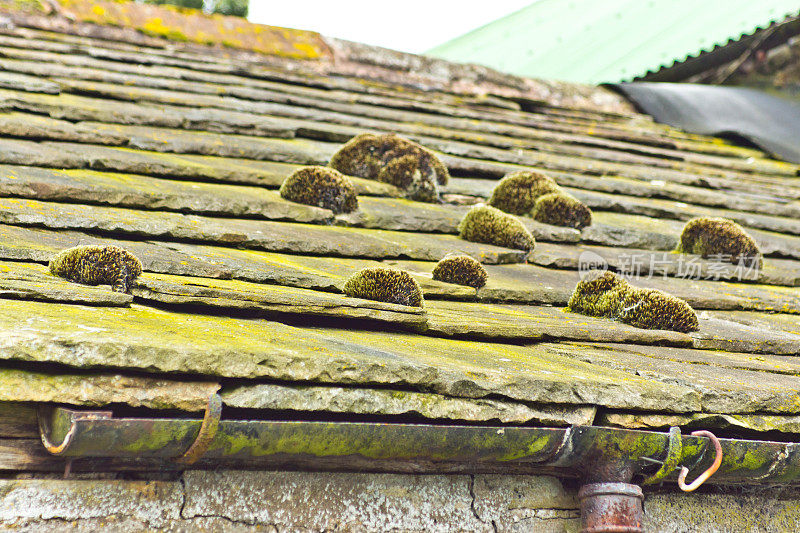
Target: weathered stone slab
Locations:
point(407, 215)
point(37, 127)
point(660, 264)
point(155, 503)
point(657, 421)
point(19, 152)
point(269, 300)
point(632, 231)
point(635, 231)
point(724, 385)
point(158, 76)
point(39, 245)
point(716, 334)
point(102, 389)
point(126, 190)
point(551, 161)
point(174, 166)
point(728, 193)
point(773, 321)
point(456, 105)
point(22, 82)
point(165, 342)
point(296, 501)
point(622, 165)
point(319, 273)
point(25, 281)
point(404, 215)
point(395, 402)
point(184, 141)
point(533, 323)
point(77, 108)
point(265, 235)
point(528, 283)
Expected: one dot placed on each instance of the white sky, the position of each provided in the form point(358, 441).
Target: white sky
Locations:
point(406, 25)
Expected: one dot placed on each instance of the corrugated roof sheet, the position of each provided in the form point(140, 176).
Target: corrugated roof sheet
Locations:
point(610, 41)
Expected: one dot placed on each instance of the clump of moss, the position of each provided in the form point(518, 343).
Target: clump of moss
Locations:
point(97, 265)
point(598, 293)
point(385, 285)
point(712, 236)
point(517, 192)
point(605, 294)
point(489, 225)
point(322, 187)
point(395, 160)
point(655, 309)
point(561, 209)
point(461, 270)
point(527, 192)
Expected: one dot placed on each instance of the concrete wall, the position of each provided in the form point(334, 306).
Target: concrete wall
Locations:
point(296, 501)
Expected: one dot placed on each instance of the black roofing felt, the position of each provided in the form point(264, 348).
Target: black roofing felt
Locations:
point(179, 161)
point(769, 122)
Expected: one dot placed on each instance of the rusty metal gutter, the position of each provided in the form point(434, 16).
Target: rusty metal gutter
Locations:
point(606, 460)
point(596, 453)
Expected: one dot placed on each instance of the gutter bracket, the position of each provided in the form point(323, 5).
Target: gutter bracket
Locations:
point(671, 461)
point(43, 418)
point(208, 428)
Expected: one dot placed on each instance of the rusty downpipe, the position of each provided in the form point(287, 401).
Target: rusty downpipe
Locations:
point(611, 508)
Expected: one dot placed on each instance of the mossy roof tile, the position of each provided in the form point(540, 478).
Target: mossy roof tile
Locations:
point(175, 152)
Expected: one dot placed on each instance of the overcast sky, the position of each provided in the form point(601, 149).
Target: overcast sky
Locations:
point(407, 25)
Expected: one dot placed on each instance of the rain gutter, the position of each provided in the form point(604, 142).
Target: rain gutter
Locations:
point(606, 460)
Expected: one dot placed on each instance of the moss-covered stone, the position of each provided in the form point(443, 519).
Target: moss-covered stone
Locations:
point(461, 270)
point(489, 225)
point(384, 285)
point(605, 294)
point(97, 265)
point(517, 192)
point(561, 209)
point(712, 236)
point(322, 187)
point(395, 160)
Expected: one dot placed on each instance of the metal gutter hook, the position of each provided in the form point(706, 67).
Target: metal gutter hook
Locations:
point(206, 434)
point(708, 473)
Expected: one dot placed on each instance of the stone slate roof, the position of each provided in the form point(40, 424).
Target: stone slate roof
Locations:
point(175, 152)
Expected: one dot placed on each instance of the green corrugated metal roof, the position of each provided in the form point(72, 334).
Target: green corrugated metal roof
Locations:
point(613, 40)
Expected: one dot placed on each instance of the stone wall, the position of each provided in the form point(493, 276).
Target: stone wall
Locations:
point(299, 501)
